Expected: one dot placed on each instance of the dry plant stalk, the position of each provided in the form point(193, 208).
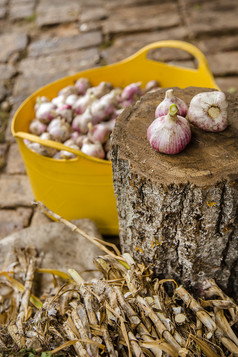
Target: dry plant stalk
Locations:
point(128, 312)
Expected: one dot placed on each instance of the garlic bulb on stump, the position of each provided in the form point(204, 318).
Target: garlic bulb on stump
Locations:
point(208, 111)
point(169, 134)
point(170, 98)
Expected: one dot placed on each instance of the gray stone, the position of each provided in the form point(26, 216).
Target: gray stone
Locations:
point(3, 152)
point(65, 44)
point(67, 11)
point(211, 17)
point(59, 247)
point(17, 101)
point(224, 63)
point(22, 2)
point(90, 26)
point(37, 72)
point(150, 17)
point(11, 43)
point(93, 14)
point(211, 45)
point(183, 64)
point(15, 190)
point(22, 11)
point(113, 4)
point(3, 12)
point(3, 91)
point(15, 164)
point(7, 71)
point(125, 46)
point(14, 220)
point(228, 84)
point(39, 218)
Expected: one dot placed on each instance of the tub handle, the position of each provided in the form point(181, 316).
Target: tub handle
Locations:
point(203, 68)
point(49, 143)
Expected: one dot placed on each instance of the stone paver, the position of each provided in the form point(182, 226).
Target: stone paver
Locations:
point(93, 14)
point(14, 220)
point(124, 46)
point(3, 12)
point(39, 218)
point(229, 83)
point(3, 91)
point(68, 44)
point(11, 43)
point(210, 17)
point(224, 63)
point(43, 70)
point(15, 190)
point(15, 164)
point(218, 44)
point(22, 10)
point(3, 152)
point(150, 17)
point(7, 71)
point(67, 11)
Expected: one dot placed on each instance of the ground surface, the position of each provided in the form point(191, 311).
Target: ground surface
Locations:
point(41, 41)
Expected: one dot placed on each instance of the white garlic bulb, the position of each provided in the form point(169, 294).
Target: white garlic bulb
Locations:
point(208, 111)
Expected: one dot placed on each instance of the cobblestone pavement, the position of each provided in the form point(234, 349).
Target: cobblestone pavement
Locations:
point(42, 40)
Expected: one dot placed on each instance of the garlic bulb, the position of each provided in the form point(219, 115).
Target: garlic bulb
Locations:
point(170, 133)
point(37, 127)
point(93, 149)
point(100, 90)
point(60, 130)
point(208, 111)
point(80, 122)
point(131, 92)
point(151, 85)
point(98, 132)
point(45, 112)
point(82, 84)
point(170, 98)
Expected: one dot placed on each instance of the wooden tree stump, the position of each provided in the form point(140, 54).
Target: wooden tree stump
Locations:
point(179, 213)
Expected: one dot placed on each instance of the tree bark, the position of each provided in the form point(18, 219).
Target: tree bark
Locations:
point(179, 213)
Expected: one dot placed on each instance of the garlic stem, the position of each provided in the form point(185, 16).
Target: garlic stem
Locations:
point(169, 94)
point(173, 109)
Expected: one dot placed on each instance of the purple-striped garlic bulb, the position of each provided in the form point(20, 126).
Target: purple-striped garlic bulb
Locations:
point(208, 111)
point(46, 112)
point(82, 85)
point(170, 133)
point(170, 98)
point(98, 132)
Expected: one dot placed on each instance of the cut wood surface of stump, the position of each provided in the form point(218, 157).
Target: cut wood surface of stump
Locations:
point(179, 213)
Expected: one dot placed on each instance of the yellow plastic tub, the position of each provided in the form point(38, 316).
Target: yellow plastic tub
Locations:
point(83, 187)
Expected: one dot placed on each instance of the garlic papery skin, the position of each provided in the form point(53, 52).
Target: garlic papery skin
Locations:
point(82, 84)
point(60, 130)
point(169, 134)
point(37, 127)
point(45, 112)
point(131, 92)
point(208, 111)
point(170, 98)
point(93, 149)
point(98, 132)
